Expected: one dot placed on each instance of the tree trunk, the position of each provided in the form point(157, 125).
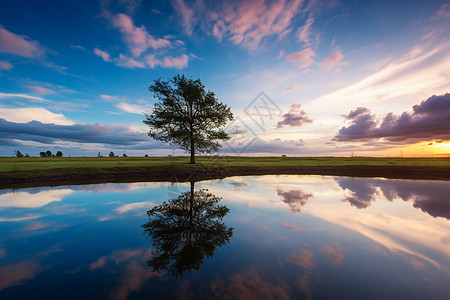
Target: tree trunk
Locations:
point(192, 146)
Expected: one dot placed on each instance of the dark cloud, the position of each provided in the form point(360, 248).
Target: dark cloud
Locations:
point(295, 199)
point(80, 133)
point(238, 185)
point(362, 193)
point(429, 196)
point(358, 111)
point(429, 120)
point(295, 117)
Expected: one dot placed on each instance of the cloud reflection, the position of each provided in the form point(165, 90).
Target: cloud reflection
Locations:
point(429, 196)
point(294, 198)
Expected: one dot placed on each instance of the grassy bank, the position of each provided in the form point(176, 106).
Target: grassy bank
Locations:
point(35, 171)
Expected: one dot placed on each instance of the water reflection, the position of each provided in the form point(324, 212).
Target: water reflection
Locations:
point(432, 197)
point(295, 237)
point(186, 229)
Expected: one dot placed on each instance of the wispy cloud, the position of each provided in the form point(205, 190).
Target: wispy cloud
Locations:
point(24, 96)
point(5, 65)
point(334, 61)
point(304, 58)
point(128, 62)
point(133, 108)
point(304, 33)
point(103, 54)
point(41, 90)
point(245, 23)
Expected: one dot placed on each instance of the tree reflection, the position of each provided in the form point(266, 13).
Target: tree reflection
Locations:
point(185, 230)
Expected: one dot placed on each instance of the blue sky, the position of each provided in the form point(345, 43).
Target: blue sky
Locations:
point(340, 77)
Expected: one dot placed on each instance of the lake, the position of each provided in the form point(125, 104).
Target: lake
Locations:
point(257, 237)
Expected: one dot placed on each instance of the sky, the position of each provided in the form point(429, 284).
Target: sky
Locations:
point(302, 77)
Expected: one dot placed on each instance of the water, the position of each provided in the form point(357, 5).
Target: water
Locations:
point(262, 237)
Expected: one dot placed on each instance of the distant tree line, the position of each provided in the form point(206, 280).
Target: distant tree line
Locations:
point(47, 153)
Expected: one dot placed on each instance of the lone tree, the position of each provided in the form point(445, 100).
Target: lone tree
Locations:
point(187, 115)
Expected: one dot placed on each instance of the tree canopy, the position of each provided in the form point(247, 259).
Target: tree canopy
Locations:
point(187, 115)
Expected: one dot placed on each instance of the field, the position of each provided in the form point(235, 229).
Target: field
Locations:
point(35, 171)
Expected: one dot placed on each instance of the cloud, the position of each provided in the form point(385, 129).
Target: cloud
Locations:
point(176, 62)
point(237, 186)
point(295, 199)
point(357, 112)
point(295, 117)
point(32, 200)
point(21, 115)
point(358, 195)
point(304, 33)
point(335, 61)
point(303, 259)
point(249, 284)
point(103, 54)
point(428, 120)
point(20, 45)
point(142, 206)
point(4, 65)
point(128, 62)
point(41, 90)
point(245, 23)
point(430, 197)
point(81, 133)
point(133, 108)
point(137, 39)
point(294, 87)
point(24, 96)
point(292, 227)
point(16, 274)
point(304, 57)
point(335, 252)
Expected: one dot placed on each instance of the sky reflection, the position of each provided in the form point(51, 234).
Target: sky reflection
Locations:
point(299, 237)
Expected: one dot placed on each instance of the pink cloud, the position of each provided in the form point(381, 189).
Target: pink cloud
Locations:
point(294, 87)
point(20, 45)
point(334, 252)
point(304, 57)
point(245, 23)
point(304, 33)
point(137, 39)
point(128, 62)
point(41, 90)
point(103, 54)
point(4, 65)
point(304, 259)
point(292, 227)
point(176, 62)
point(443, 11)
point(334, 61)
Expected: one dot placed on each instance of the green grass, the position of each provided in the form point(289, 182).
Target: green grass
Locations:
point(13, 164)
point(35, 171)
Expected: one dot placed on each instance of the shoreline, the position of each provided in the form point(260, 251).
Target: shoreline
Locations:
point(199, 172)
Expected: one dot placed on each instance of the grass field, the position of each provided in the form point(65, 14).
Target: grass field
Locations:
point(37, 170)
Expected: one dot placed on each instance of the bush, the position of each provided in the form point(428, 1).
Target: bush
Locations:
point(111, 154)
point(124, 155)
point(42, 154)
point(146, 155)
point(59, 154)
point(48, 153)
